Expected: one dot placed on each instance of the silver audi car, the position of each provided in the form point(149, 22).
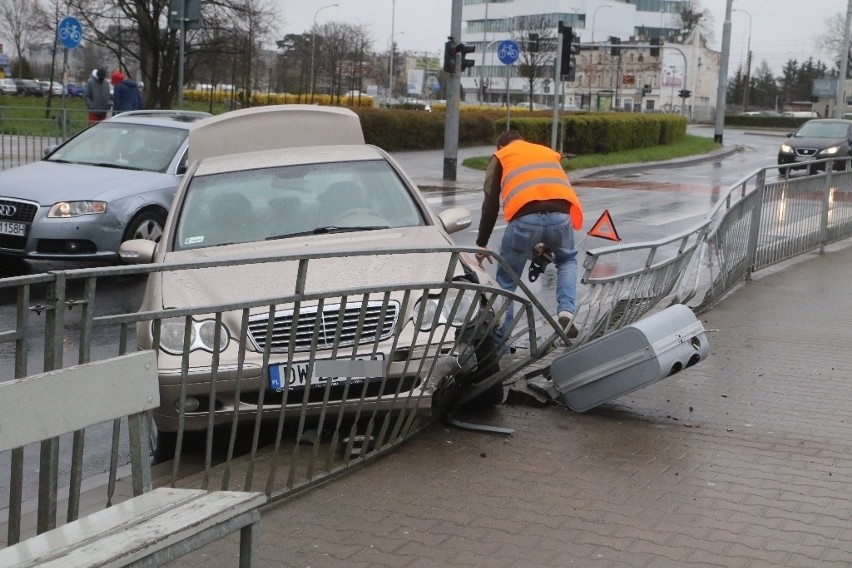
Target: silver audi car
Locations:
point(110, 183)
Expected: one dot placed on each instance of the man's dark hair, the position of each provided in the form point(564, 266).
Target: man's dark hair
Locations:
point(508, 136)
point(101, 74)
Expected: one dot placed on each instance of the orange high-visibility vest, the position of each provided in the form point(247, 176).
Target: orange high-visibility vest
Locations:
point(532, 172)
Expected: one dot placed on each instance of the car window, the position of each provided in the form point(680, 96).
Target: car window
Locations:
point(123, 145)
point(281, 202)
point(822, 130)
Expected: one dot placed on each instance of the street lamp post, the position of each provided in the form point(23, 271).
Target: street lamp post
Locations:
point(391, 46)
point(314, 43)
point(594, 15)
point(747, 87)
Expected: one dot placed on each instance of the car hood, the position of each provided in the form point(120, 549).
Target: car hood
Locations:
point(49, 182)
point(811, 142)
point(231, 284)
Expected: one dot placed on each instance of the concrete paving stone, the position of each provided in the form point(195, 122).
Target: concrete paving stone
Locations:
point(709, 559)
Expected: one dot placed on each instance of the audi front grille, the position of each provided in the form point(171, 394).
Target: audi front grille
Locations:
point(376, 326)
point(17, 212)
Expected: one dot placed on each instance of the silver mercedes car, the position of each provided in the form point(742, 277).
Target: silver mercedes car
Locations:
point(110, 183)
point(311, 255)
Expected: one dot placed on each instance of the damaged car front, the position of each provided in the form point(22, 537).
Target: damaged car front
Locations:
point(326, 286)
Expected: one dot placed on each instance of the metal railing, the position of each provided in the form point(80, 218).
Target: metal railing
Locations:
point(427, 342)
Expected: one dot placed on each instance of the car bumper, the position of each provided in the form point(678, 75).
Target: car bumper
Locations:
point(88, 237)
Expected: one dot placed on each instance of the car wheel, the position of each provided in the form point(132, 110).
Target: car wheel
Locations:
point(487, 365)
point(146, 225)
point(163, 445)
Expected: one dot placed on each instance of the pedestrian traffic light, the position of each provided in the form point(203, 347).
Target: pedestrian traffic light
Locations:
point(464, 49)
point(655, 46)
point(450, 55)
point(614, 49)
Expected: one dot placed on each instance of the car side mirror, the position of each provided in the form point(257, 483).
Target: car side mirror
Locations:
point(455, 219)
point(137, 251)
point(49, 150)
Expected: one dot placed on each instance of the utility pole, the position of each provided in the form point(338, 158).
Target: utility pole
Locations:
point(840, 102)
point(723, 73)
point(451, 120)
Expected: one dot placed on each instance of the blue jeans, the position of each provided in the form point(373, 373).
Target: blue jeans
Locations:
point(521, 235)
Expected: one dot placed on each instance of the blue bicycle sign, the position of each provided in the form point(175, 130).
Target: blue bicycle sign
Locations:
point(70, 32)
point(507, 52)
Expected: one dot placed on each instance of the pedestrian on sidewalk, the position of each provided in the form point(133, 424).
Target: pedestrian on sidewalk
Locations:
point(125, 93)
point(540, 206)
point(96, 96)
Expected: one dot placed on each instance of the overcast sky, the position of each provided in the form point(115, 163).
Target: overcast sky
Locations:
point(780, 29)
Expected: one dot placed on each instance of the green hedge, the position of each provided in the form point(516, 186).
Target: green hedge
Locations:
point(395, 129)
point(599, 133)
point(781, 122)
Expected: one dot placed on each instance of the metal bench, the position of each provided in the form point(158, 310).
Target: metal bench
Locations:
point(153, 527)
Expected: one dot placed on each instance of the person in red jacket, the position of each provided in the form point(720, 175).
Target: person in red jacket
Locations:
point(125, 93)
point(540, 206)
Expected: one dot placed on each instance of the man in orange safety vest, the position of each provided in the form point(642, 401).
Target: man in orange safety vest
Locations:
point(539, 206)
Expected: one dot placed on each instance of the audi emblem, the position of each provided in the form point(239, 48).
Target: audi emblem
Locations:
point(8, 210)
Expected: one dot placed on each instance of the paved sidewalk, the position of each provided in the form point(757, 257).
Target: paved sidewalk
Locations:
point(743, 460)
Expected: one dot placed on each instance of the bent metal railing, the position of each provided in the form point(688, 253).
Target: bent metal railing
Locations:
point(227, 430)
point(407, 347)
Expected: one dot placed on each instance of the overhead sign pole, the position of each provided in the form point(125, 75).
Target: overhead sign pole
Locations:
point(183, 15)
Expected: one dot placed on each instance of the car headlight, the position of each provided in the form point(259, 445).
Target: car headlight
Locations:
point(830, 151)
point(426, 310)
point(77, 208)
point(201, 335)
point(786, 149)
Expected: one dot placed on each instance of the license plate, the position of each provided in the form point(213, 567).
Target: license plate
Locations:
point(14, 229)
point(296, 375)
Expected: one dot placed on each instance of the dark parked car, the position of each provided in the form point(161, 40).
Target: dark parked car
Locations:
point(28, 87)
point(816, 140)
point(74, 89)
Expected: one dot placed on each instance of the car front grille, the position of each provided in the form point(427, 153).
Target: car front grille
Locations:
point(22, 212)
point(374, 328)
point(806, 151)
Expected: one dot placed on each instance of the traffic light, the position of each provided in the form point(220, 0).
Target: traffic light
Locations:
point(614, 50)
point(570, 48)
point(655, 46)
point(533, 43)
point(646, 90)
point(450, 55)
point(464, 49)
point(684, 93)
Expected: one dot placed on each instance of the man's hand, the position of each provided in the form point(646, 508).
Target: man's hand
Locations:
point(480, 256)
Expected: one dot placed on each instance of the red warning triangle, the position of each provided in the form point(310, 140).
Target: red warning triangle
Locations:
point(604, 228)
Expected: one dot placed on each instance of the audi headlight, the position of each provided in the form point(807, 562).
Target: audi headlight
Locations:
point(77, 208)
point(786, 148)
point(202, 335)
point(830, 151)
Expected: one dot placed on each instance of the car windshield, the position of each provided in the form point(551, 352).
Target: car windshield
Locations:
point(822, 130)
point(289, 201)
point(123, 145)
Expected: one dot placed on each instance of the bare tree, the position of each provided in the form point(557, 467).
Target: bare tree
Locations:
point(137, 34)
point(536, 39)
point(16, 17)
point(338, 51)
point(695, 17)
